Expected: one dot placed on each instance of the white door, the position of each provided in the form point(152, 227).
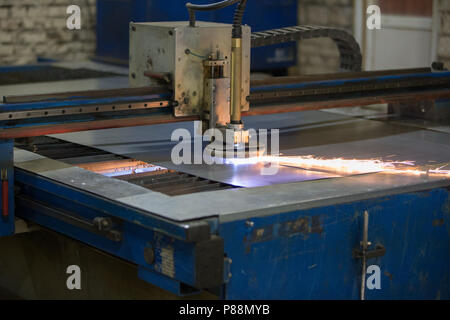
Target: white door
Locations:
point(407, 38)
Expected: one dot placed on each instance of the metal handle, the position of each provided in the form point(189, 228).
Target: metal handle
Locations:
point(364, 244)
point(100, 225)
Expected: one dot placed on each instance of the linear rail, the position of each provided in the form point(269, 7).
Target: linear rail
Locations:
point(275, 95)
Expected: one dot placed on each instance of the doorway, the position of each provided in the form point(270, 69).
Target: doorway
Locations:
point(408, 34)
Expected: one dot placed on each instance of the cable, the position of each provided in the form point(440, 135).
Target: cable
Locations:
point(237, 21)
point(192, 8)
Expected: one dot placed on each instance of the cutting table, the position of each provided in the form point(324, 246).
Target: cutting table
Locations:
point(93, 163)
point(290, 225)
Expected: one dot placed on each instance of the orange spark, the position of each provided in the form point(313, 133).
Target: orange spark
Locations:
point(344, 166)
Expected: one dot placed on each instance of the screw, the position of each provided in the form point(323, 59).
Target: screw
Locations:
point(102, 224)
point(249, 223)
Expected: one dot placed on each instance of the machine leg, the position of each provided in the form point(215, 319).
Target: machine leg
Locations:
point(7, 187)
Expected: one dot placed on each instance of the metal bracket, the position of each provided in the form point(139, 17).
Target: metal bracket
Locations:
point(379, 251)
point(227, 270)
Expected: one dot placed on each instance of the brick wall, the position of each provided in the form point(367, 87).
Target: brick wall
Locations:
point(444, 36)
point(32, 28)
point(321, 55)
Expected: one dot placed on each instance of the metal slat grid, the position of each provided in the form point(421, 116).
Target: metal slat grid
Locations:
point(170, 182)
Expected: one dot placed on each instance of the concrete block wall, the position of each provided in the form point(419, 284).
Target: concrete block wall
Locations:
point(32, 28)
point(321, 55)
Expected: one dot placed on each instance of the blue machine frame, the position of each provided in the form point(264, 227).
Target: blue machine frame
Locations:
point(305, 254)
point(309, 254)
point(7, 170)
point(113, 18)
point(293, 253)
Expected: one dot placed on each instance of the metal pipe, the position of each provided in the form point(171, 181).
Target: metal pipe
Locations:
point(236, 80)
point(364, 245)
point(206, 7)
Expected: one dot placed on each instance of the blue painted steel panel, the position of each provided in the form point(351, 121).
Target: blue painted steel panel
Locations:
point(113, 17)
point(6, 163)
point(309, 254)
point(306, 254)
point(68, 198)
point(174, 257)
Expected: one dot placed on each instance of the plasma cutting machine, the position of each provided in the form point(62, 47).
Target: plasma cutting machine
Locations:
point(308, 231)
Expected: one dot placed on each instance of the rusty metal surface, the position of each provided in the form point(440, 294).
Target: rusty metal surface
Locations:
point(333, 76)
point(91, 125)
point(263, 102)
point(274, 108)
point(260, 110)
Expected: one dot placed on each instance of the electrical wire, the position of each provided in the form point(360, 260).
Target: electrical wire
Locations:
point(238, 16)
point(237, 20)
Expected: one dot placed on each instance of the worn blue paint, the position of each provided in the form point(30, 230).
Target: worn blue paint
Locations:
point(305, 254)
point(308, 254)
point(113, 17)
point(6, 162)
point(67, 198)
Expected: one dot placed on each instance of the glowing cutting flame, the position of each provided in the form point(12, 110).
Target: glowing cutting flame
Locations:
point(344, 166)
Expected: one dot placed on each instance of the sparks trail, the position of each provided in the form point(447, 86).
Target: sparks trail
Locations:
point(345, 166)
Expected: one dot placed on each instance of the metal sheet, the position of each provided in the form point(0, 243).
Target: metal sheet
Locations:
point(308, 133)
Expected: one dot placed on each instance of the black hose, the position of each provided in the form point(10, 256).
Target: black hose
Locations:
point(238, 14)
point(237, 21)
point(206, 7)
